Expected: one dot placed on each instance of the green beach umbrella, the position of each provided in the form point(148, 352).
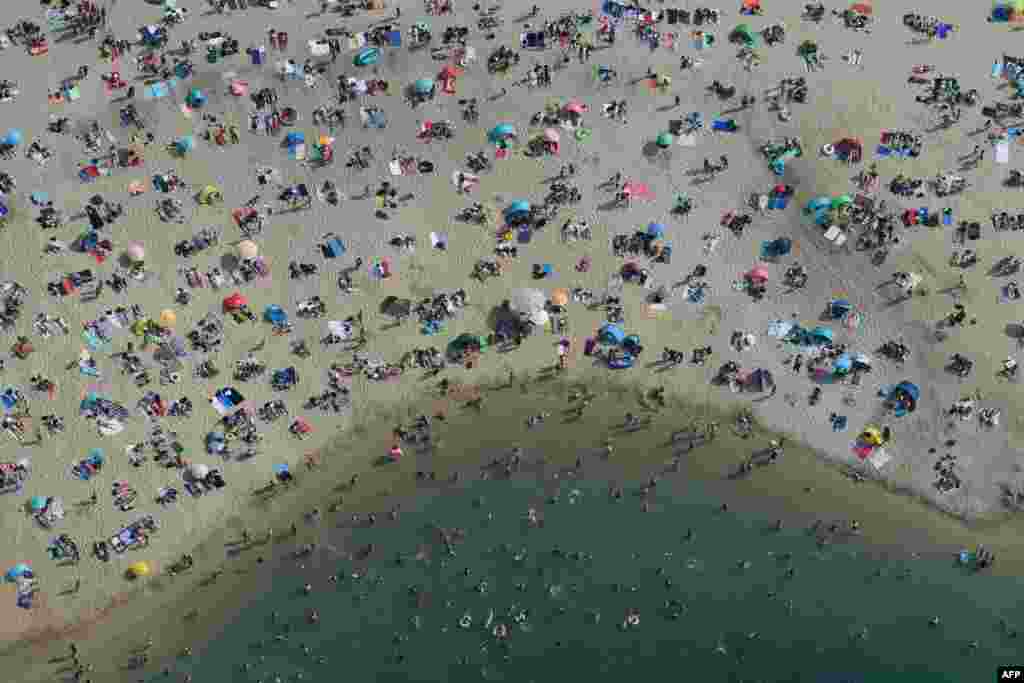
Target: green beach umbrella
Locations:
point(665, 140)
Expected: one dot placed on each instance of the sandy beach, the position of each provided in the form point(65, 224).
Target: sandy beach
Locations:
point(845, 100)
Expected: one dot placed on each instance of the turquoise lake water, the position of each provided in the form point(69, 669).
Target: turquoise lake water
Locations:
point(733, 600)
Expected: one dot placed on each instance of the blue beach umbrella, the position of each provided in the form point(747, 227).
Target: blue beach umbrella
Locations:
point(423, 86)
point(656, 230)
point(37, 503)
point(13, 137)
point(17, 571)
point(366, 57)
point(520, 206)
point(502, 131)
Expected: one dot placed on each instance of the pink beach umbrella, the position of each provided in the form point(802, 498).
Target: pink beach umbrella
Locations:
point(552, 135)
point(135, 252)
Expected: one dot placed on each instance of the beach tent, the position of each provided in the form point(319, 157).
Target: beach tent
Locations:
point(138, 569)
point(744, 35)
point(656, 230)
point(517, 208)
point(423, 86)
point(665, 140)
point(821, 335)
point(367, 57)
point(526, 301)
point(610, 333)
point(502, 131)
point(235, 301)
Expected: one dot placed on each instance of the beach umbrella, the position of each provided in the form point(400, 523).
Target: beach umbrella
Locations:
point(366, 57)
point(665, 140)
point(139, 569)
point(135, 252)
point(843, 364)
point(656, 230)
point(17, 571)
point(234, 301)
point(37, 503)
point(185, 144)
point(248, 250)
point(198, 470)
point(502, 131)
point(560, 296)
point(423, 86)
point(552, 135)
point(275, 315)
point(862, 361)
point(13, 137)
point(294, 138)
point(517, 207)
point(758, 274)
point(822, 335)
point(196, 98)
point(168, 318)
point(576, 107)
point(526, 300)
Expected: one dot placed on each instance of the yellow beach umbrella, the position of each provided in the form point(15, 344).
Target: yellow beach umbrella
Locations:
point(168, 318)
point(138, 569)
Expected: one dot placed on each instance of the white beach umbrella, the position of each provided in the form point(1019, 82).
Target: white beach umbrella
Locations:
point(527, 301)
point(198, 470)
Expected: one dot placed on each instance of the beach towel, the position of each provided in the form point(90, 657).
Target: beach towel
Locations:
point(1003, 153)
